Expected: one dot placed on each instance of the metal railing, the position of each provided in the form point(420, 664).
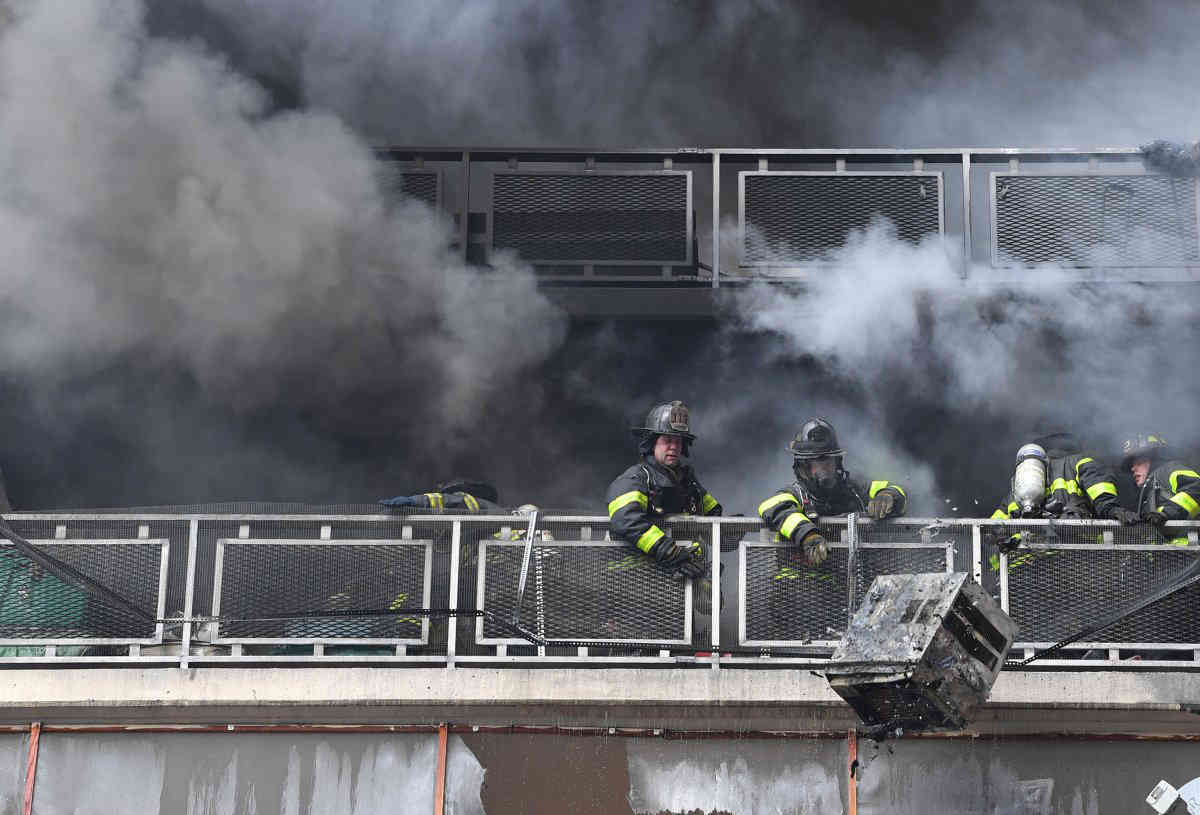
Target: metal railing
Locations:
point(712, 216)
point(443, 589)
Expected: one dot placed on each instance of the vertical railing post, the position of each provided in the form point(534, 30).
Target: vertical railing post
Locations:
point(851, 566)
point(189, 602)
point(464, 228)
point(452, 620)
point(977, 553)
point(715, 612)
point(716, 219)
point(966, 178)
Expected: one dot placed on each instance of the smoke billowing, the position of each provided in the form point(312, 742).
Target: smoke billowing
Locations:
point(204, 295)
point(174, 254)
point(794, 73)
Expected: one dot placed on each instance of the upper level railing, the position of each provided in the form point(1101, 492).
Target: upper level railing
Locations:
point(710, 216)
point(443, 589)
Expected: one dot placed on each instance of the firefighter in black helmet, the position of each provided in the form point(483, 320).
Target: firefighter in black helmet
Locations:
point(662, 483)
point(1168, 489)
point(823, 487)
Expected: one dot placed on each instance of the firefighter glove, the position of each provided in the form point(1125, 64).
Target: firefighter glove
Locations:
point(1155, 517)
point(814, 548)
point(1127, 517)
point(401, 501)
point(881, 505)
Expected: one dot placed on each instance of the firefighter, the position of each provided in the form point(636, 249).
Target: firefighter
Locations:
point(1054, 478)
point(458, 494)
point(661, 484)
point(823, 487)
point(1168, 489)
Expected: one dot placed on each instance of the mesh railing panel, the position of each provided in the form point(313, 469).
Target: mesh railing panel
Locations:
point(582, 590)
point(800, 218)
point(1065, 577)
point(40, 604)
point(791, 603)
point(593, 217)
point(264, 583)
point(398, 183)
point(1095, 220)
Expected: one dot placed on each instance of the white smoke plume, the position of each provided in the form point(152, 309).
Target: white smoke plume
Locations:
point(155, 212)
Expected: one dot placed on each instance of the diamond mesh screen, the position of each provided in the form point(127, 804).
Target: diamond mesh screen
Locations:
point(583, 590)
point(1064, 578)
point(423, 185)
point(788, 602)
point(1095, 220)
point(799, 218)
point(39, 603)
point(263, 584)
point(593, 217)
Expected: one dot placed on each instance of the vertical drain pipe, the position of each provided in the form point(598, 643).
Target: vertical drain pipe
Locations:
point(852, 785)
point(439, 789)
point(35, 737)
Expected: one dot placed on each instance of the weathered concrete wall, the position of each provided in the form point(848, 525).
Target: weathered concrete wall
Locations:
point(14, 749)
point(499, 774)
point(740, 700)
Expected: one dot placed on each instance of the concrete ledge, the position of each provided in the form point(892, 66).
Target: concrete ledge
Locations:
point(678, 699)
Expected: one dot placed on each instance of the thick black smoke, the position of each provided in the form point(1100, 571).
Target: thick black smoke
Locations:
point(796, 73)
point(205, 297)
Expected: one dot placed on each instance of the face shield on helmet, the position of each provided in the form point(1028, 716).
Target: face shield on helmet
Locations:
point(1029, 479)
point(817, 456)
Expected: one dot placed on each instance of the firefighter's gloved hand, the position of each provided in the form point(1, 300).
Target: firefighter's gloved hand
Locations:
point(1127, 517)
point(1073, 514)
point(881, 505)
point(668, 554)
point(814, 548)
point(401, 501)
point(1156, 517)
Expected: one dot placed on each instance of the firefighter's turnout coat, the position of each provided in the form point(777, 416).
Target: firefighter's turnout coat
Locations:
point(641, 496)
point(458, 502)
point(1082, 486)
point(792, 511)
point(1172, 488)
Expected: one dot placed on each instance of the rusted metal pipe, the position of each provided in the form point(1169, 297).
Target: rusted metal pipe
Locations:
point(439, 793)
point(35, 737)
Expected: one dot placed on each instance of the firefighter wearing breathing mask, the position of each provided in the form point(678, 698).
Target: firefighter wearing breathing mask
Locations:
point(661, 484)
point(1055, 479)
point(822, 487)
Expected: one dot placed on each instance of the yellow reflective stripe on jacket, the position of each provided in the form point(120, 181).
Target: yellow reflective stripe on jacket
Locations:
point(876, 486)
point(1080, 463)
point(472, 504)
point(1174, 479)
point(650, 537)
point(1062, 484)
point(777, 499)
point(628, 498)
point(435, 500)
point(1000, 515)
point(1187, 502)
point(1103, 488)
point(708, 502)
point(791, 522)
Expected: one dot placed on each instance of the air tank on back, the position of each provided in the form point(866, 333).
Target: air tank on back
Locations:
point(1029, 479)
